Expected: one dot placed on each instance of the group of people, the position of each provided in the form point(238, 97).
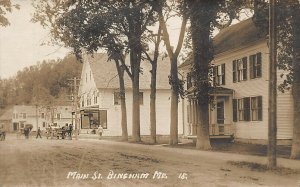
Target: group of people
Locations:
point(64, 131)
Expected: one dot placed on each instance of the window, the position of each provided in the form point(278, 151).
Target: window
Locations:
point(82, 101)
point(103, 119)
point(95, 99)
point(23, 115)
point(86, 77)
point(44, 124)
point(219, 74)
point(42, 115)
point(247, 109)
point(117, 98)
point(242, 69)
point(256, 108)
point(58, 116)
point(239, 69)
point(90, 75)
point(255, 66)
point(244, 109)
point(141, 98)
point(93, 118)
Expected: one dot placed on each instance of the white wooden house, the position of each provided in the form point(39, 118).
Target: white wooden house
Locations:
point(38, 116)
point(99, 97)
point(241, 73)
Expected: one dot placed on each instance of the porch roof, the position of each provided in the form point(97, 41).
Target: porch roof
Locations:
point(213, 91)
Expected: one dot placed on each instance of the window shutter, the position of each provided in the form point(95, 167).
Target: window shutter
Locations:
point(259, 105)
point(216, 75)
point(234, 110)
point(245, 68)
point(234, 71)
point(252, 67)
point(223, 74)
point(247, 109)
point(258, 66)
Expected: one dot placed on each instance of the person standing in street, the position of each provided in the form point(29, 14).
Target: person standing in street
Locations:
point(100, 131)
point(70, 131)
point(38, 134)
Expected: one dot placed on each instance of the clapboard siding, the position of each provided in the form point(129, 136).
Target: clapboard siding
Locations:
point(248, 88)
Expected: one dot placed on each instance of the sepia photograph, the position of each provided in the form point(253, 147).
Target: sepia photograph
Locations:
point(130, 93)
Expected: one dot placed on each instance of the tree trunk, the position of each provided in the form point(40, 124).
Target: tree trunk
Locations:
point(136, 136)
point(174, 103)
point(123, 102)
point(200, 32)
point(295, 153)
point(153, 103)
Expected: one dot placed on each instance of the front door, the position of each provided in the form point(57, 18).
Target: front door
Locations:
point(220, 117)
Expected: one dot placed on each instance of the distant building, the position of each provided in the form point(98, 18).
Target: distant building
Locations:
point(241, 76)
point(100, 102)
point(38, 116)
point(6, 120)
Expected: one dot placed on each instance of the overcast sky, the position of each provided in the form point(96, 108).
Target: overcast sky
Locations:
point(20, 43)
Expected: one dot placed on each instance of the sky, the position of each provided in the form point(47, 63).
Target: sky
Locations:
point(20, 42)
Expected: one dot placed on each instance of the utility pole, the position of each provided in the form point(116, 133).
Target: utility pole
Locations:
point(272, 126)
point(75, 105)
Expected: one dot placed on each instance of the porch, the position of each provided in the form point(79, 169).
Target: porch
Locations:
point(220, 115)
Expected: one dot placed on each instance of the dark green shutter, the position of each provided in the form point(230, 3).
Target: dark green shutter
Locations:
point(234, 69)
point(260, 109)
point(244, 68)
point(259, 65)
point(234, 110)
point(252, 66)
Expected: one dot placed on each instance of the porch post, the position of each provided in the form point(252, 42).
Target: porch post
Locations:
point(194, 124)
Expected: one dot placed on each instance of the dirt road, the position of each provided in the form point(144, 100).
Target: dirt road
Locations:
point(45, 162)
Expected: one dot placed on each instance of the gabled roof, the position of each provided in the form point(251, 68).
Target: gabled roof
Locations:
point(238, 35)
point(105, 73)
point(233, 37)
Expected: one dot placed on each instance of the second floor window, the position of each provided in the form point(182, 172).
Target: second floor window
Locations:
point(42, 115)
point(58, 116)
point(239, 70)
point(23, 115)
point(219, 74)
point(255, 66)
point(117, 98)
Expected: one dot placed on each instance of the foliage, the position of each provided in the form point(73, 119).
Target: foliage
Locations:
point(287, 11)
point(43, 83)
point(5, 7)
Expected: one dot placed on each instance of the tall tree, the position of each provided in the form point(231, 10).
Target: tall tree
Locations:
point(288, 16)
point(175, 82)
point(156, 39)
point(86, 24)
point(205, 15)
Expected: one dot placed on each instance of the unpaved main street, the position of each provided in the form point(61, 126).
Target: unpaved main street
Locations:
point(42, 162)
